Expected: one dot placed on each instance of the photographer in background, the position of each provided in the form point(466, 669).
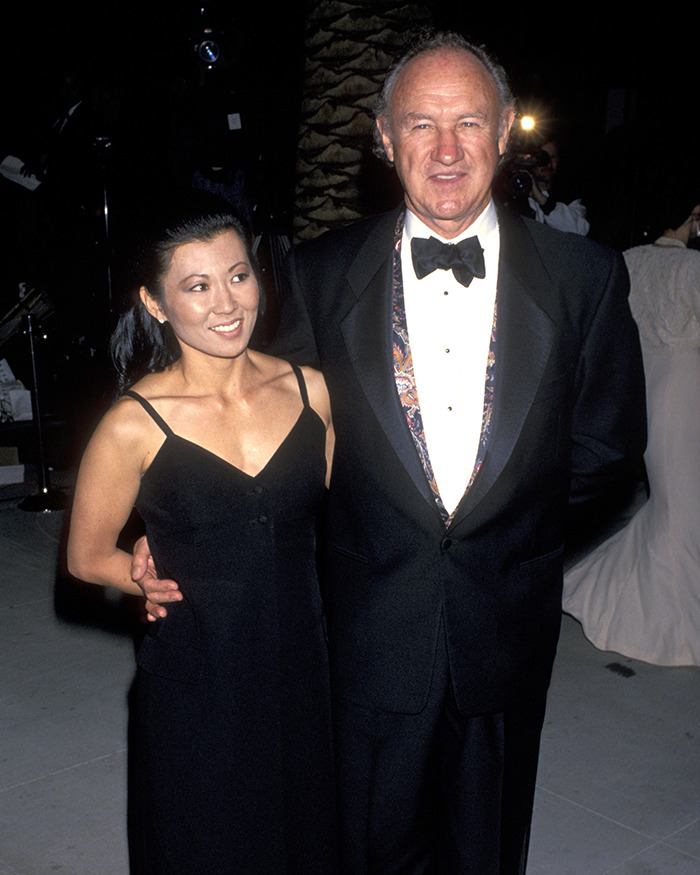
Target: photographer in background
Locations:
point(525, 184)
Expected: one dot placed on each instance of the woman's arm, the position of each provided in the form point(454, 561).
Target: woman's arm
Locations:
point(106, 488)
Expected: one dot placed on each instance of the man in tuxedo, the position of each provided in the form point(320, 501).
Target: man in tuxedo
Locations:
point(478, 389)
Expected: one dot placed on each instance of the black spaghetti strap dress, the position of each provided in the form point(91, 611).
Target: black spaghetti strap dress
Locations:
point(231, 758)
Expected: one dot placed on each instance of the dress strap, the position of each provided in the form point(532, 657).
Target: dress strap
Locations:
point(148, 407)
point(302, 384)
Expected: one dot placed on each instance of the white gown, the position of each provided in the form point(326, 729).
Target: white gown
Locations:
point(638, 593)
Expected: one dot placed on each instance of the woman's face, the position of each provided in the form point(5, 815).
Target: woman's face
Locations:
point(209, 296)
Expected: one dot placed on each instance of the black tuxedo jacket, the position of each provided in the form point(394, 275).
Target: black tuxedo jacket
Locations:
point(568, 416)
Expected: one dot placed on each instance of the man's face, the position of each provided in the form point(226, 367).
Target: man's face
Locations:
point(445, 135)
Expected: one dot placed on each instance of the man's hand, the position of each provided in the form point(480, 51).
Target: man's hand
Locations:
point(536, 192)
point(157, 592)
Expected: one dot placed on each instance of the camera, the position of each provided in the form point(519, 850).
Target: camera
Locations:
point(514, 180)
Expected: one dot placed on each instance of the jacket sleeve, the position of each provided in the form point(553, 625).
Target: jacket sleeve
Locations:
point(609, 424)
point(294, 338)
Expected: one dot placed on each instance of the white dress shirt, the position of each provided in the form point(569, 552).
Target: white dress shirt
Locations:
point(449, 329)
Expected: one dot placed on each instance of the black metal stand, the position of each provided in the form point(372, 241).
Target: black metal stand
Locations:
point(103, 148)
point(46, 499)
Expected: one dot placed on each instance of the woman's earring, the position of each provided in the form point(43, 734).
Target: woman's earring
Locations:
point(161, 320)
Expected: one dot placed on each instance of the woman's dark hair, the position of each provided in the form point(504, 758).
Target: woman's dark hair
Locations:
point(671, 212)
point(140, 344)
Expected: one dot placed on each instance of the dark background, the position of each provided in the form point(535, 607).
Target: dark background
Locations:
point(620, 85)
point(620, 88)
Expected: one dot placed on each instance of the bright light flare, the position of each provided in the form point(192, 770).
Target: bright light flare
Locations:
point(527, 123)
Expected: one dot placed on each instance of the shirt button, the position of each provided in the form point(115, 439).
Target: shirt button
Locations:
point(449, 410)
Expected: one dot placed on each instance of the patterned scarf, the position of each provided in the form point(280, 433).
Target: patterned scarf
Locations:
point(406, 380)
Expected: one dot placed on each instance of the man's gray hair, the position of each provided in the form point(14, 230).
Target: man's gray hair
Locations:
point(428, 40)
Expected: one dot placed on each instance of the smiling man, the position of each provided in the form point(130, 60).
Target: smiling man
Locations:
point(444, 128)
point(480, 382)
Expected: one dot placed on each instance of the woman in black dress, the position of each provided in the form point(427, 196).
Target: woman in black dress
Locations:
point(225, 452)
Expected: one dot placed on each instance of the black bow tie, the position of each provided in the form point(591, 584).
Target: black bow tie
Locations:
point(465, 259)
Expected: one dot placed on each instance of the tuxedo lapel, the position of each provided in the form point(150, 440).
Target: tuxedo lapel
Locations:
point(367, 331)
point(525, 334)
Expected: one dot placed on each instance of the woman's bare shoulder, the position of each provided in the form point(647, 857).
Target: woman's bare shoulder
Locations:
point(314, 380)
point(127, 422)
point(280, 371)
point(318, 392)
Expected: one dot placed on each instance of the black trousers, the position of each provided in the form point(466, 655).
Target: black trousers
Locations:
point(436, 792)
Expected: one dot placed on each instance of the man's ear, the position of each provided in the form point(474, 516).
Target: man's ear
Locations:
point(151, 305)
point(507, 119)
point(383, 128)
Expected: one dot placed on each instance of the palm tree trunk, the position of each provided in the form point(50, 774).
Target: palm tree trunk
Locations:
point(348, 49)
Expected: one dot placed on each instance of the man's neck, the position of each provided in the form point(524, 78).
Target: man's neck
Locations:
point(448, 229)
point(484, 222)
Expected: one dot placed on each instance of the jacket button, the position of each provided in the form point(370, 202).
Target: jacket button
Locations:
point(446, 543)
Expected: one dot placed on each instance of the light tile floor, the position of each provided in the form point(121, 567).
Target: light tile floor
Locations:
point(619, 781)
